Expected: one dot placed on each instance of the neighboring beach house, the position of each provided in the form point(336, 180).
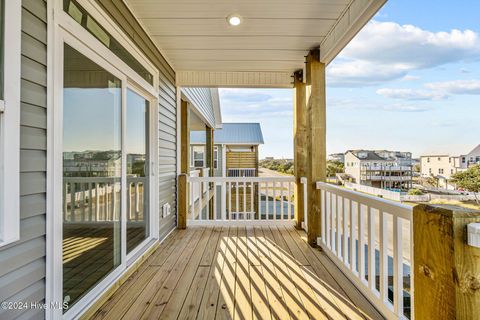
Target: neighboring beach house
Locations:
point(235, 149)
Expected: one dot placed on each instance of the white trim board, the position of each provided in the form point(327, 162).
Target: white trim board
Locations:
point(10, 126)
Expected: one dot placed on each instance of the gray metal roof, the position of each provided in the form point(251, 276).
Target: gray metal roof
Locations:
point(232, 133)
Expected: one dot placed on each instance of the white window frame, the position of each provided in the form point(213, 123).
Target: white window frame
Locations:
point(10, 125)
point(63, 29)
point(194, 150)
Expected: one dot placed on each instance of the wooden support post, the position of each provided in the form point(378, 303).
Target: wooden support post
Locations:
point(256, 188)
point(184, 166)
point(300, 143)
point(446, 269)
point(209, 153)
point(316, 140)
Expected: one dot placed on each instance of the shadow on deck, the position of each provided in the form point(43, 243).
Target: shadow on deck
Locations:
point(237, 273)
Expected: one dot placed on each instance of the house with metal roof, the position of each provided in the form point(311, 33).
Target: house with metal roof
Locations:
point(235, 149)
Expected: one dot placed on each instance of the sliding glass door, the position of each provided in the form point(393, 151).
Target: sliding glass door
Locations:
point(106, 168)
point(92, 173)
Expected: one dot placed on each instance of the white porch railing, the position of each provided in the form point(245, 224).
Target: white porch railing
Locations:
point(96, 199)
point(242, 200)
point(370, 239)
point(242, 172)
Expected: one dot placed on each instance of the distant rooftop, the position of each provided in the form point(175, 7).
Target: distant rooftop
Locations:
point(232, 133)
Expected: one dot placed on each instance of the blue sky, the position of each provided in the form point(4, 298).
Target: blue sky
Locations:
point(408, 81)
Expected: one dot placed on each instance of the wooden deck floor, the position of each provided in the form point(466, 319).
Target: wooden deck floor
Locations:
point(237, 273)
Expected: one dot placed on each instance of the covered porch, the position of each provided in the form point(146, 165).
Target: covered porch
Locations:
point(233, 272)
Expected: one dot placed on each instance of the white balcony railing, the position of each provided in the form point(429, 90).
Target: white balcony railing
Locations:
point(241, 200)
point(370, 239)
point(241, 172)
point(97, 199)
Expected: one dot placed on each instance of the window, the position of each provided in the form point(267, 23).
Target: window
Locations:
point(430, 170)
point(215, 157)
point(440, 171)
point(79, 14)
point(451, 171)
point(428, 159)
point(463, 159)
point(198, 156)
point(10, 33)
point(439, 159)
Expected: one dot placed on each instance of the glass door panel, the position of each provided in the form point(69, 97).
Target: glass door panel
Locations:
point(136, 145)
point(92, 171)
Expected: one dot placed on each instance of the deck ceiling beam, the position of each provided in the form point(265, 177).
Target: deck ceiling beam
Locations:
point(229, 79)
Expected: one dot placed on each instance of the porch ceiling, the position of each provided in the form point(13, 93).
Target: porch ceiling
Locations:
point(274, 35)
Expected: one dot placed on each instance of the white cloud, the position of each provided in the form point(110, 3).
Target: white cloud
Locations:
point(385, 51)
point(410, 78)
point(456, 86)
point(411, 94)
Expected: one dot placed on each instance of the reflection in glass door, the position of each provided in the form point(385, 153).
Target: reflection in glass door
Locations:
point(136, 148)
point(92, 171)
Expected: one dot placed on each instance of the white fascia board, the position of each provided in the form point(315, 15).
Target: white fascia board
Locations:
point(354, 18)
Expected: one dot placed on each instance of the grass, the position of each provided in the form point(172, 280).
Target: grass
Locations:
point(464, 204)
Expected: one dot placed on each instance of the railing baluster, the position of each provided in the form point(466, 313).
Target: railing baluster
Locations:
point(361, 242)
point(207, 198)
point(252, 210)
point(324, 214)
point(371, 248)
point(281, 201)
point(259, 202)
point(328, 213)
point(90, 202)
point(137, 204)
point(345, 238)
point(192, 200)
point(274, 201)
point(237, 207)
point(82, 190)
point(72, 202)
point(353, 243)
point(383, 257)
point(215, 201)
point(290, 200)
point(65, 204)
point(229, 201)
point(114, 201)
point(244, 200)
point(267, 209)
point(97, 202)
point(333, 222)
point(397, 266)
point(339, 225)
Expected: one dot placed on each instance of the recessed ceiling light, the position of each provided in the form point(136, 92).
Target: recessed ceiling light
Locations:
point(234, 20)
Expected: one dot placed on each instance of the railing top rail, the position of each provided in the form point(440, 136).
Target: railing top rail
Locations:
point(242, 179)
point(92, 179)
point(393, 207)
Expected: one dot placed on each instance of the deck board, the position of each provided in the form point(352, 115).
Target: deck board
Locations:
point(237, 273)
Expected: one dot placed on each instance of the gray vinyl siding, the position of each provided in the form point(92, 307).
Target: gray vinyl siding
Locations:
point(22, 264)
point(167, 144)
point(201, 98)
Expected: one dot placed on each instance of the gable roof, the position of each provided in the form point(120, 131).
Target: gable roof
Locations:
point(370, 155)
point(232, 133)
point(475, 150)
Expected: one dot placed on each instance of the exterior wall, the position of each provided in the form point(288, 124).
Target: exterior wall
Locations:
point(167, 162)
point(438, 165)
point(352, 166)
point(22, 263)
point(201, 98)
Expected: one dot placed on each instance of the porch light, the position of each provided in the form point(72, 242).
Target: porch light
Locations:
point(234, 20)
